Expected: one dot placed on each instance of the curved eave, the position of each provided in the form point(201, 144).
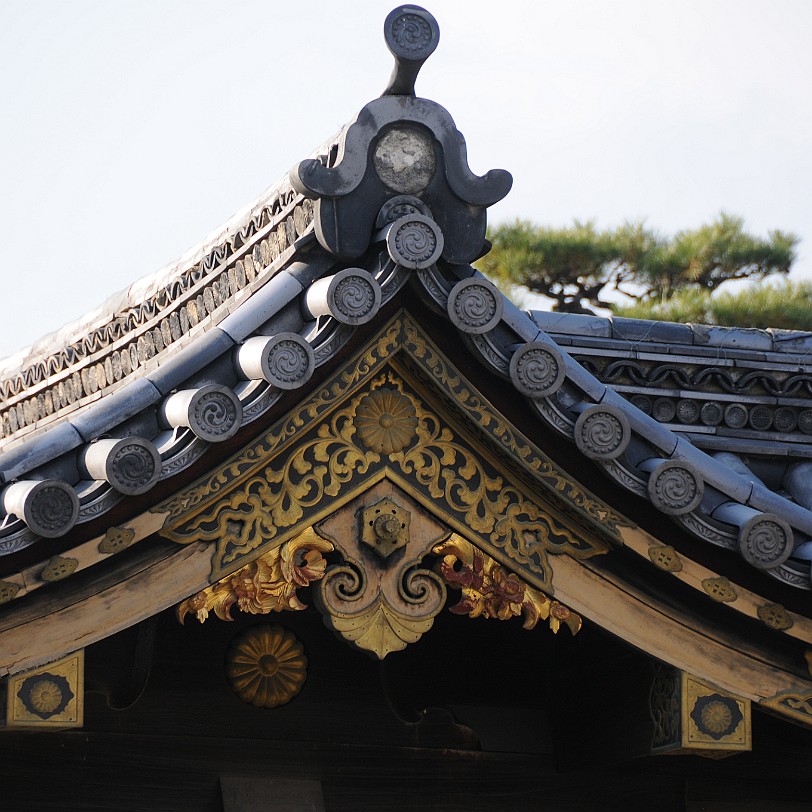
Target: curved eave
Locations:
point(623, 591)
point(710, 575)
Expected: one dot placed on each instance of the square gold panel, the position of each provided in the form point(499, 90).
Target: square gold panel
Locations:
point(51, 696)
point(693, 716)
point(712, 719)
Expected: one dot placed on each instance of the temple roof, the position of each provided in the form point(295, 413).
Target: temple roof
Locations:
point(701, 432)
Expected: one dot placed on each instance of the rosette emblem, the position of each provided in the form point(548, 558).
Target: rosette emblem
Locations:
point(386, 421)
point(45, 695)
point(266, 666)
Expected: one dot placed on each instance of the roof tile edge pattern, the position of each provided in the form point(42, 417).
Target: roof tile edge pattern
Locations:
point(605, 426)
point(135, 339)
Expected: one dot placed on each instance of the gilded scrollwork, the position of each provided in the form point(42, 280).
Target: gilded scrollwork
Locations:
point(287, 430)
point(372, 421)
point(267, 584)
point(439, 464)
point(489, 590)
point(796, 704)
point(431, 360)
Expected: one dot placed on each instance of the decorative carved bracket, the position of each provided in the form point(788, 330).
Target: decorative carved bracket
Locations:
point(490, 591)
point(267, 584)
point(693, 716)
point(379, 603)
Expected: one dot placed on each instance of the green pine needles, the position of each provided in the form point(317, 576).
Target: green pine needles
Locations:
point(579, 265)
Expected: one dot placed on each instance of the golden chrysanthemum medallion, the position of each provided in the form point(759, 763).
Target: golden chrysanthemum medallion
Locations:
point(385, 421)
point(266, 665)
point(717, 717)
point(46, 696)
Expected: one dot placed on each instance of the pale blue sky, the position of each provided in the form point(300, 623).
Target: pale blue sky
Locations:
point(129, 130)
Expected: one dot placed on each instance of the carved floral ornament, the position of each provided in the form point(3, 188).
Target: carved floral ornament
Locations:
point(385, 428)
point(380, 480)
point(49, 696)
point(385, 421)
point(382, 624)
point(291, 476)
point(266, 666)
point(489, 590)
point(267, 584)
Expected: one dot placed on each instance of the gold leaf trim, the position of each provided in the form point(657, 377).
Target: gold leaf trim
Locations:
point(775, 616)
point(665, 558)
point(267, 584)
point(58, 568)
point(490, 591)
point(266, 666)
point(719, 589)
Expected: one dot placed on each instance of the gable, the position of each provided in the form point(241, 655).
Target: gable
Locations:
point(229, 440)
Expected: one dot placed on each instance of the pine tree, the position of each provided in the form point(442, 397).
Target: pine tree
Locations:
point(576, 266)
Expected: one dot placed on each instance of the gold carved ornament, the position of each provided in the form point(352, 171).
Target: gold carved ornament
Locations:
point(339, 455)
point(490, 591)
point(420, 348)
point(380, 620)
point(266, 666)
point(386, 421)
point(204, 495)
point(267, 584)
point(335, 441)
point(380, 598)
